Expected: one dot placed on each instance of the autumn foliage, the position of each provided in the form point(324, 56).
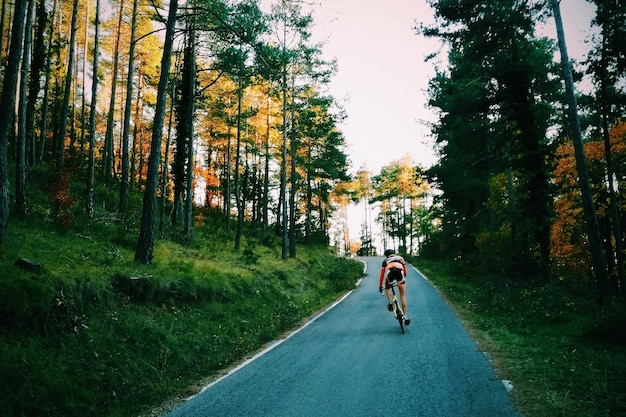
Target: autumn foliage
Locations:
point(569, 247)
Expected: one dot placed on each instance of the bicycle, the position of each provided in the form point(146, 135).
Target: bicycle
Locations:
point(396, 307)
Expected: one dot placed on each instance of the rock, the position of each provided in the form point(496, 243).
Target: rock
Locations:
point(29, 265)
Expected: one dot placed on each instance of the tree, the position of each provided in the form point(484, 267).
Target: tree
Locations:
point(7, 104)
point(395, 188)
point(145, 243)
point(607, 62)
point(363, 193)
point(290, 28)
point(34, 86)
point(107, 154)
point(61, 130)
point(495, 103)
point(20, 143)
point(123, 201)
point(595, 241)
point(91, 134)
point(323, 162)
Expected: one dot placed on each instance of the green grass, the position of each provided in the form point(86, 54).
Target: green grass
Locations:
point(96, 334)
point(565, 354)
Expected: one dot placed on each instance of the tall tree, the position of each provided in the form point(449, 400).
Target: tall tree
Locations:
point(145, 243)
point(595, 240)
point(34, 86)
point(89, 191)
point(52, 51)
point(362, 193)
point(20, 142)
point(7, 105)
point(124, 180)
point(107, 152)
point(495, 111)
point(247, 25)
point(185, 137)
point(61, 130)
point(607, 64)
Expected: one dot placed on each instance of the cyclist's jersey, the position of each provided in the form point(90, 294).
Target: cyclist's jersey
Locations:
point(395, 267)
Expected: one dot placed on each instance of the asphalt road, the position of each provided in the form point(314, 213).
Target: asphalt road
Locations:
point(354, 361)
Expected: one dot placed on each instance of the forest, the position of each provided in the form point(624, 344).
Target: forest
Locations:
point(528, 176)
point(530, 144)
point(530, 150)
point(232, 115)
point(158, 124)
point(211, 104)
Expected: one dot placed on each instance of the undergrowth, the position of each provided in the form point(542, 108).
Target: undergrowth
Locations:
point(96, 334)
point(565, 354)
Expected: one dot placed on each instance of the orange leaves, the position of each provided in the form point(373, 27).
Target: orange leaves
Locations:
point(569, 246)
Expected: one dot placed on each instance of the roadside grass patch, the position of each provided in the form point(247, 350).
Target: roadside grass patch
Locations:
point(95, 334)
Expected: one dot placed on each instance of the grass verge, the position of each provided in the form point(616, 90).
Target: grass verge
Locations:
point(565, 355)
point(95, 334)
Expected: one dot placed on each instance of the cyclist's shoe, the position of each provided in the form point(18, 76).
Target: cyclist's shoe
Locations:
point(389, 307)
point(407, 321)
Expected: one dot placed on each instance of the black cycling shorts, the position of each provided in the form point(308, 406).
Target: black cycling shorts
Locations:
point(395, 274)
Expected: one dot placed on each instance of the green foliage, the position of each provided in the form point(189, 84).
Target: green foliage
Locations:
point(564, 355)
point(97, 334)
point(496, 99)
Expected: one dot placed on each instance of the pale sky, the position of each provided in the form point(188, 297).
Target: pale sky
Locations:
point(382, 77)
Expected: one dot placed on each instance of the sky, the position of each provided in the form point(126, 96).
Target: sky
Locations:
point(382, 77)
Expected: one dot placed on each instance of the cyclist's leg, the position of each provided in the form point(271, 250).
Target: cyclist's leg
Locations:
point(401, 288)
point(386, 284)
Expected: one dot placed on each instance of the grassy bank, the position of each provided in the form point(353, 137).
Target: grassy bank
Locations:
point(95, 334)
point(565, 354)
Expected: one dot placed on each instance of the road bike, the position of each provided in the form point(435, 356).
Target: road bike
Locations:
point(396, 306)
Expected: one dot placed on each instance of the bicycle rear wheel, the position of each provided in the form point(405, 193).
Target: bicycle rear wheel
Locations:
point(399, 315)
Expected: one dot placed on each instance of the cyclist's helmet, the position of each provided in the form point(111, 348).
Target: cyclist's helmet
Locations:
point(389, 252)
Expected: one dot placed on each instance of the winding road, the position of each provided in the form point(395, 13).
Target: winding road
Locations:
point(352, 360)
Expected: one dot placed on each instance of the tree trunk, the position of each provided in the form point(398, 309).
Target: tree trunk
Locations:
point(237, 162)
point(593, 230)
point(145, 243)
point(83, 103)
point(107, 155)
point(309, 200)
point(2, 20)
point(34, 87)
point(92, 114)
point(127, 110)
point(293, 182)
point(191, 88)
point(41, 144)
point(610, 170)
point(136, 128)
point(283, 173)
point(228, 167)
point(20, 143)
point(62, 126)
point(7, 105)
point(266, 174)
point(164, 170)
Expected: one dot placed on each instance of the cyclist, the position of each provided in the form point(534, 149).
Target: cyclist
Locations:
point(394, 269)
